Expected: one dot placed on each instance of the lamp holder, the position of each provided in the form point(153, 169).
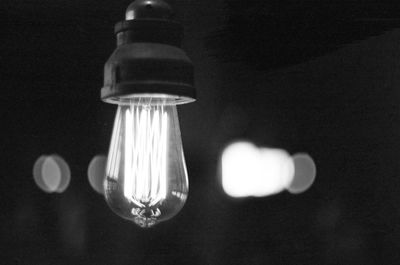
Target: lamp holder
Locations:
point(148, 58)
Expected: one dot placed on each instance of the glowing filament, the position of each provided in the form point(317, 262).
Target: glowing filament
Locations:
point(145, 180)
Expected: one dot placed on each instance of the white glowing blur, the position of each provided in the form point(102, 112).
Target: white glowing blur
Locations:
point(51, 174)
point(305, 173)
point(239, 166)
point(65, 173)
point(129, 15)
point(275, 173)
point(96, 173)
point(37, 173)
point(251, 171)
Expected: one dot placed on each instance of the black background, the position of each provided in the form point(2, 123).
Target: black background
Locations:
point(320, 77)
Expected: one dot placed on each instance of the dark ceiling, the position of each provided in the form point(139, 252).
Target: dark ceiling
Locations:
point(307, 76)
point(274, 34)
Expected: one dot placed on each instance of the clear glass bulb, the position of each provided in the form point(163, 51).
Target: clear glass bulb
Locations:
point(146, 179)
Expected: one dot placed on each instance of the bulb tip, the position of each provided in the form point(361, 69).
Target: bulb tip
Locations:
point(149, 9)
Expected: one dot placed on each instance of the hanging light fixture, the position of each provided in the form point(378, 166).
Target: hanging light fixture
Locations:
point(147, 76)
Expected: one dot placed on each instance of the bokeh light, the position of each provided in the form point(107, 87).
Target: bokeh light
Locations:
point(65, 173)
point(51, 173)
point(37, 173)
point(251, 171)
point(305, 173)
point(277, 170)
point(96, 172)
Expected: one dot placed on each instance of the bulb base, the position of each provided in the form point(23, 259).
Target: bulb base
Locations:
point(148, 58)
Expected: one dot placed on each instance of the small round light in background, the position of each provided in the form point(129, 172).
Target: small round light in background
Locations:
point(239, 164)
point(37, 173)
point(251, 171)
point(304, 173)
point(65, 173)
point(51, 174)
point(96, 172)
point(276, 172)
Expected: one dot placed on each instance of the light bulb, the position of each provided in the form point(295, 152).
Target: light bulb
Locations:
point(147, 75)
point(146, 179)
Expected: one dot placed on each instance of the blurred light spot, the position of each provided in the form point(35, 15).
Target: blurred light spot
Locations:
point(51, 173)
point(239, 161)
point(277, 170)
point(37, 173)
point(251, 171)
point(65, 173)
point(304, 173)
point(96, 173)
